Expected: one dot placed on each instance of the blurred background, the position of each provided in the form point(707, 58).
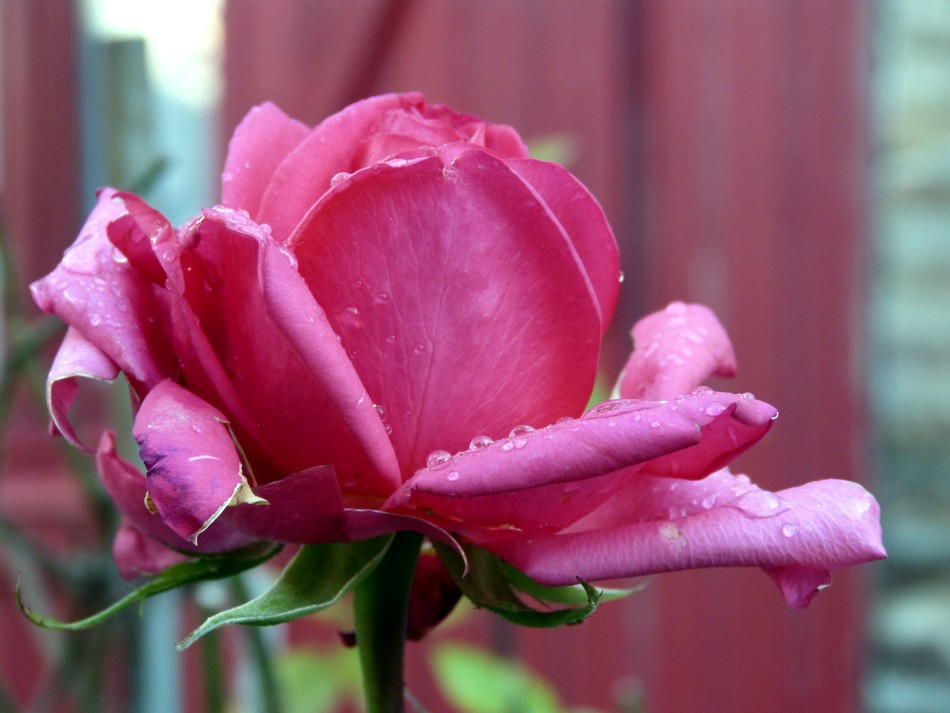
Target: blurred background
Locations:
point(787, 162)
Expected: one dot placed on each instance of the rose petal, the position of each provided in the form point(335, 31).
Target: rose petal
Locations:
point(76, 357)
point(796, 535)
point(676, 350)
point(97, 292)
point(305, 174)
point(686, 438)
point(452, 334)
point(127, 488)
point(194, 471)
point(584, 221)
point(136, 554)
point(260, 142)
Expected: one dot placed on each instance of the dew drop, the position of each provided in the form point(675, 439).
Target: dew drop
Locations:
point(709, 501)
point(419, 349)
point(521, 430)
point(605, 407)
point(654, 424)
point(507, 446)
point(339, 178)
point(521, 443)
point(452, 475)
point(748, 395)
point(391, 339)
point(95, 319)
point(480, 442)
point(715, 409)
point(760, 503)
point(380, 410)
point(620, 277)
point(351, 318)
point(789, 530)
point(437, 459)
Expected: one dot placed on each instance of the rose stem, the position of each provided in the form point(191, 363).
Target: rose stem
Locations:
point(381, 609)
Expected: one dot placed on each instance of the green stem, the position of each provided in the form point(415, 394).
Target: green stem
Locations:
point(260, 656)
point(381, 608)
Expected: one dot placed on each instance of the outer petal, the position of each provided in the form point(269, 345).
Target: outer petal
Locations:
point(127, 488)
point(136, 554)
point(98, 292)
point(295, 404)
point(76, 357)
point(194, 471)
point(261, 141)
point(584, 221)
point(460, 301)
point(796, 535)
point(688, 438)
point(676, 350)
point(306, 172)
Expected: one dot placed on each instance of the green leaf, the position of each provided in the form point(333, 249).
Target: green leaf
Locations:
point(317, 577)
point(475, 681)
point(574, 594)
point(497, 586)
point(205, 568)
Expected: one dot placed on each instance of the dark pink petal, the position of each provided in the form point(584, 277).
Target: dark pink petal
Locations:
point(460, 301)
point(260, 142)
point(432, 598)
point(676, 350)
point(662, 525)
point(99, 293)
point(127, 488)
point(342, 413)
point(136, 554)
point(306, 172)
point(194, 471)
point(687, 438)
point(76, 357)
point(584, 221)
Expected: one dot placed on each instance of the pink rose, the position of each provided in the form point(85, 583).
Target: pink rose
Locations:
point(353, 342)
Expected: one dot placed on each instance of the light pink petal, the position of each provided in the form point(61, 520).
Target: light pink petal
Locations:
point(260, 142)
point(660, 525)
point(676, 350)
point(584, 221)
point(305, 173)
point(194, 471)
point(76, 357)
point(460, 301)
point(99, 293)
point(127, 488)
point(687, 438)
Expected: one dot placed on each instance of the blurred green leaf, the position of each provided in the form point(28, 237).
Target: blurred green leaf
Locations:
point(205, 568)
point(315, 578)
point(475, 681)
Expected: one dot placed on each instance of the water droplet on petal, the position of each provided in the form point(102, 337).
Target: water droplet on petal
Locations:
point(521, 443)
point(419, 349)
point(507, 446)
point(789, 530)
point(480, 442)
point(621, 277)
point(95, 319)
point(452, 475)
point(715, 409)
point(654, 424)
point(521, 430)
point(748, 395)
point(709, 501)
point(351, 318)
point(760, 503)
point(437, 459)
point(339, 178)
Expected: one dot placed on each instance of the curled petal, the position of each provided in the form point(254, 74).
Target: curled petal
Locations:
point(194, 471)
point(676, 350)
point(660, 525)
point(137, 554)
point(76, 357)
point(687, 438)
point(98, 292)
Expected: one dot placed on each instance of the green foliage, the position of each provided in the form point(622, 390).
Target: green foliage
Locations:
point(316, 578)
point(205, 568)
point(494, 585)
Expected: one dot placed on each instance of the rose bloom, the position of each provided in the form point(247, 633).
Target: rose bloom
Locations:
point(391, 322)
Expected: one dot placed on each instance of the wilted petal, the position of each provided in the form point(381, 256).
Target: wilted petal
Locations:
point(127, 488)
point(796, 535)
point(260, 142)
point(584, 221)
point(76, 357)
point(676, 350)
point(194, 471)
point(460, 301)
